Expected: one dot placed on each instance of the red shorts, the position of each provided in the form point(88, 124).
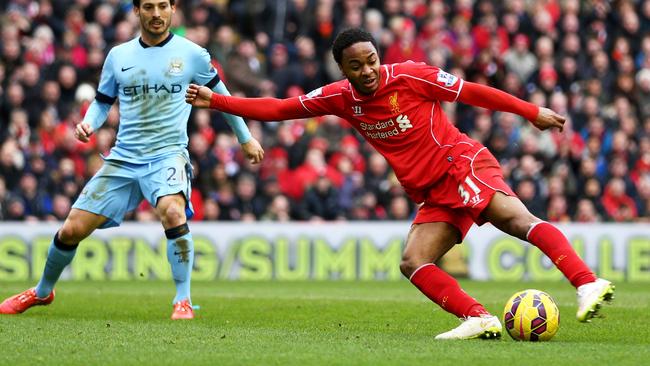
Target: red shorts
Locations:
point(464, 192)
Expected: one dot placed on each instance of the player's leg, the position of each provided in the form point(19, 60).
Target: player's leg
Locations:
point(167, 187)
point(102, 203)
point(487, 197)
point(510, 215)
point(426, 243)
point(77, 226)
point(180, 247)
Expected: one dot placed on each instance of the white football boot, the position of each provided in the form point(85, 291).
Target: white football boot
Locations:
point(484, 326)
point(591, 297)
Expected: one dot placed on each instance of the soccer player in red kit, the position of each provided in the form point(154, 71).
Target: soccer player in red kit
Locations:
point(457, 181)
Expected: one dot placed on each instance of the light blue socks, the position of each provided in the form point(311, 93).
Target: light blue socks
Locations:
point(59, 255)
point(180, 254)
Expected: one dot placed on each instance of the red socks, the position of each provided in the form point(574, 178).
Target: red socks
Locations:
point(444, 290)
point(556, 246)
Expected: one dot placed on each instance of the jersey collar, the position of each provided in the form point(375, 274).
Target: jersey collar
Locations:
point(161, 44)
point(383, 77)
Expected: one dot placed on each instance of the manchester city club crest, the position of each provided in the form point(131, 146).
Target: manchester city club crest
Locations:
point(176, 66)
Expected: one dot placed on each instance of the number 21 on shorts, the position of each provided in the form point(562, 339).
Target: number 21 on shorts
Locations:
point(174, 175)
point(469, 192)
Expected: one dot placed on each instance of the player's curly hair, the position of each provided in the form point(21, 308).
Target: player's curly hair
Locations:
point(349, 37)
point(136, 3)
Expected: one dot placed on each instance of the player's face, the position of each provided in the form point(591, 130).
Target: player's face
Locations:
point(155, 17)
point(360, 65)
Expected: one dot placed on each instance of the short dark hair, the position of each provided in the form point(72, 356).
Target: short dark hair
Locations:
point(349, 37)
point(136, 3)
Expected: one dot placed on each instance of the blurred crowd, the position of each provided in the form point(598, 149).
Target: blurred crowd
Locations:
point(588, 60)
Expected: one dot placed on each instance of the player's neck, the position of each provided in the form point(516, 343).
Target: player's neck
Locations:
point(153, 40)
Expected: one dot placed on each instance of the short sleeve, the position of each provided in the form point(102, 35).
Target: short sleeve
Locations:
point(432, 82)
point(107, 89)
point(205, 73)
point(324, 100)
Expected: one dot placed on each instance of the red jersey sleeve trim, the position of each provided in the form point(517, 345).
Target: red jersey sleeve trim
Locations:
point(460, 87)
point(316, 100)
point(304, 106)
point(261, 109)
point(497, 100)
point(428, 82)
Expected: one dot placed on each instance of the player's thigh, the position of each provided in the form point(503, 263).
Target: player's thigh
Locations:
point(509, 215)
point(111, 192)
point(430, 241)
point(168, 182)
point(426, 243)
point(500, 205)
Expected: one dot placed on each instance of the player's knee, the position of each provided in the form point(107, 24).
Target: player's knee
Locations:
point(174, 215)
point(71, 233)
point(519, 225)
point(524, 223)
point(408, 265)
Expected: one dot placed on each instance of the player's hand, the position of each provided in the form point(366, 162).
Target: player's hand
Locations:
point(546, 119)
point(83, 131)
point(198, 96)
point(253, 151)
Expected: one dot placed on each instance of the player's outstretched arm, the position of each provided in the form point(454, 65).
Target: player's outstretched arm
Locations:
point(497, 100)
point(261, 109)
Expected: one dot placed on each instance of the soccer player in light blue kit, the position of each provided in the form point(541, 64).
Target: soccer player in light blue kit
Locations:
point(148, 75)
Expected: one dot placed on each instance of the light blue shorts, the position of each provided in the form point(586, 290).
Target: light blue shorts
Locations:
point(119, 187)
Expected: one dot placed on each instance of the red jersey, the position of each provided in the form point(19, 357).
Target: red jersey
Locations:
point(403, 120)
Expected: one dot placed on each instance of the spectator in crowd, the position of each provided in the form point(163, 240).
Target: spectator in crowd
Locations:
point(618, 205)
point(248, 202)
point(60, 208)
point(519, 59)
point(321, 201)
point(586, 212)
point(245, 71)
point(589, 61)
point(399, 208)
point(643, 187)
point(278, 210)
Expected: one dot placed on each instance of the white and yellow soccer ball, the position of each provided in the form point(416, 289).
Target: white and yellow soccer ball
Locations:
point(531, 315)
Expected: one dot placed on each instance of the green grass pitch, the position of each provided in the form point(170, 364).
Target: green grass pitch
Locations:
point(305, 323)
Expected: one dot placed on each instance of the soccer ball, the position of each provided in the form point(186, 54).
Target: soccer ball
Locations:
point(531, 315)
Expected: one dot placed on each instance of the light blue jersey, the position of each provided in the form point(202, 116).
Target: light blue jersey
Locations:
point(150, 83)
